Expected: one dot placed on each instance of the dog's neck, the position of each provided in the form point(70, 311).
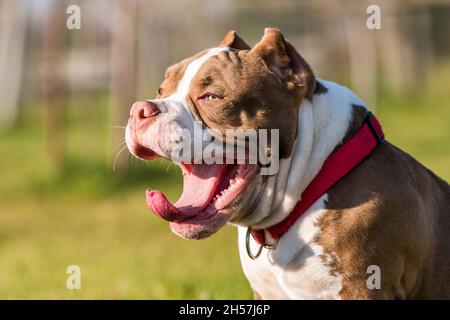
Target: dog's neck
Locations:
point(322, 125)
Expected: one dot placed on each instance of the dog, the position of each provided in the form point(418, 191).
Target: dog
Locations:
point(379, 230)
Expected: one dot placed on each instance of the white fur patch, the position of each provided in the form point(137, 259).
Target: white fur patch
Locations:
point(295, 269)
point(191, 70)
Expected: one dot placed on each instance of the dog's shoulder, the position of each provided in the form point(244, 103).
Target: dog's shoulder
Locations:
point(384, 213)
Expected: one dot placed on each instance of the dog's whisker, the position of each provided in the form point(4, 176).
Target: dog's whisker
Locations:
point(121, 144)
point(117, 156)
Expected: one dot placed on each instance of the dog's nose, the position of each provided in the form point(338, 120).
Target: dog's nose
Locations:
point(143, 110)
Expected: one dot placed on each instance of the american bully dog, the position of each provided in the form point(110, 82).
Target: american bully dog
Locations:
point(346, 215)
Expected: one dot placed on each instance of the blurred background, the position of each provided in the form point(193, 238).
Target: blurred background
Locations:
point(70, 195)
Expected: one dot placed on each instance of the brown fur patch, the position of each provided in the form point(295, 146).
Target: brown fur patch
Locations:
point(392, 212)
point(241, 82)
point(242, 79)
point(174, 74)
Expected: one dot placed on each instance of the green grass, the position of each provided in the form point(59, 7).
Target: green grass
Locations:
point(88, 215)
point(420, 123)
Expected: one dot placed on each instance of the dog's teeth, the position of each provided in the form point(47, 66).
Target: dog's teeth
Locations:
point(232, 181)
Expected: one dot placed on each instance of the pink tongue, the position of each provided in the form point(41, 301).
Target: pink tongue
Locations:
point(200, 183)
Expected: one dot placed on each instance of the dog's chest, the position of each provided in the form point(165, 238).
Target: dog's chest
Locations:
point(296, 268)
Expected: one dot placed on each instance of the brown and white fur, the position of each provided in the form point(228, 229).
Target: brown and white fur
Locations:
point(390, 211)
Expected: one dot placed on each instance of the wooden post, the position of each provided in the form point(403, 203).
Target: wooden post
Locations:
point(362, 52)
point(13, 20)
point(123, 67)
point(54, 81)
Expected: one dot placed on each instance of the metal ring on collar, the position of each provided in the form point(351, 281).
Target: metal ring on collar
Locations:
point(247, 246)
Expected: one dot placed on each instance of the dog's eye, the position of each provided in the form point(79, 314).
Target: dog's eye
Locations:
point(160, 91)
point(209, 97)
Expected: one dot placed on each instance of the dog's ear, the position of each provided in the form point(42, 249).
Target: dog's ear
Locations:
point(232, 40)
point(282, 58)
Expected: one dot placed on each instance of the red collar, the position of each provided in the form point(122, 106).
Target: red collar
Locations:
point(338, 164)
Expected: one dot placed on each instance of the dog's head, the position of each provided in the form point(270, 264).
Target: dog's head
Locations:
point(232, 86)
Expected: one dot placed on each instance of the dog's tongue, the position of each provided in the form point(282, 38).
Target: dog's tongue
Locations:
point(200, 182)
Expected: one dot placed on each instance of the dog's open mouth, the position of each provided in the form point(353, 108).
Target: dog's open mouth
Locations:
point(207, 191)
